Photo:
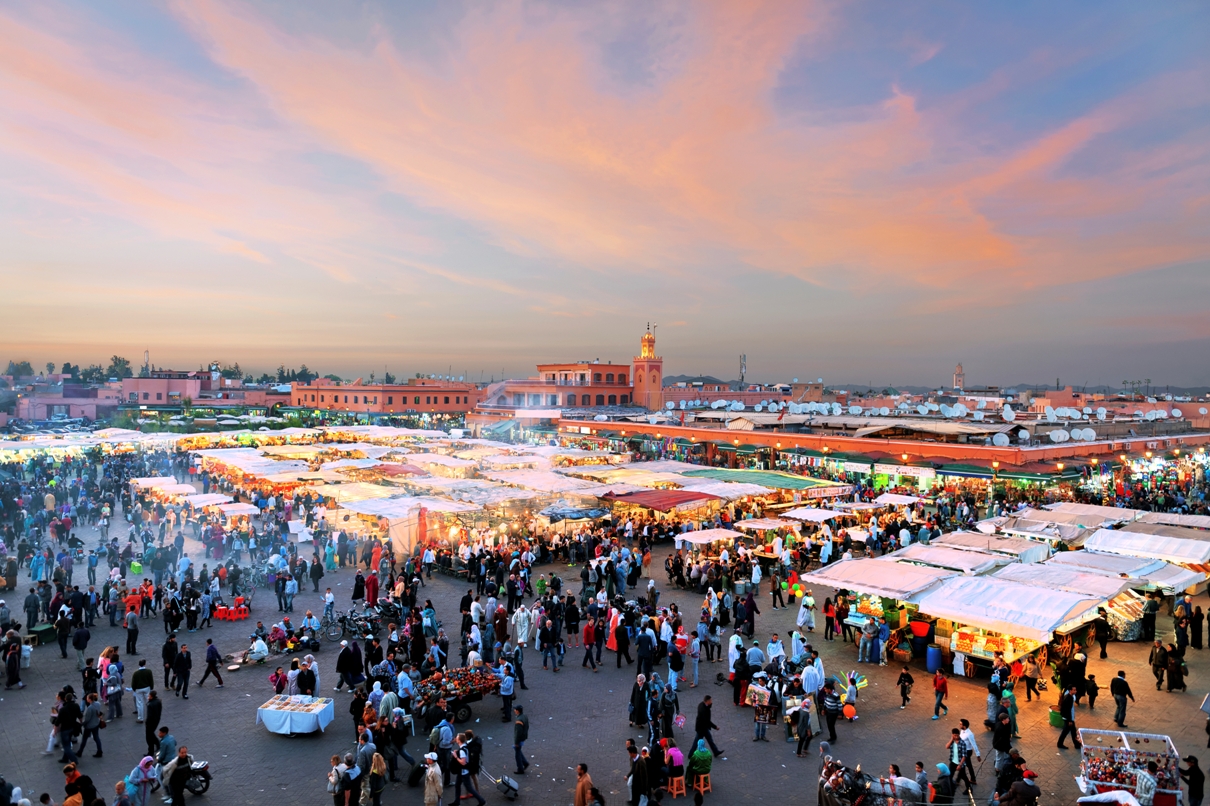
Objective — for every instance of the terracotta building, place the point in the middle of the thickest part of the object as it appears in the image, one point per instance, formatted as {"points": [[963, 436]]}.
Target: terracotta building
{"points": [[418, 395]]}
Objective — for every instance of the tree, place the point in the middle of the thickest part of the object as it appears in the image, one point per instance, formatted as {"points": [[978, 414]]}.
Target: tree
{"points": [[94, 374], [388, 379], [265, 378], [371, 376], [69, 369], [230, 370], [20, 369], [334, 378], [50, 367], [119, 368], [306, 375]]}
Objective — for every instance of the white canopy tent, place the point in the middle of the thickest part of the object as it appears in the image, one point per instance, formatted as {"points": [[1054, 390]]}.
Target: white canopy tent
{"points": [[545, 481], [706, 536], [899, 582], [1055, 577], [402, 516], [1007, 607], [1177, 519], [812, 514], [148, 482], [177, 489], [1022, 550], [966, 561], [207, 499], [726, 490], [354, 491], [760, 524], [1139, 544], [896, 500], [1143, 572], [232, 510]]}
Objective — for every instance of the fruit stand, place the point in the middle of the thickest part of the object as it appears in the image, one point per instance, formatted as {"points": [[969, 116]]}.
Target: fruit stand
{"points": [[1110, 760], [459, 687]]}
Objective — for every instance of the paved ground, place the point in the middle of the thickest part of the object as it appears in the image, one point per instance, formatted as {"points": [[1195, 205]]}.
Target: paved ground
{"points": [[575, 716]]}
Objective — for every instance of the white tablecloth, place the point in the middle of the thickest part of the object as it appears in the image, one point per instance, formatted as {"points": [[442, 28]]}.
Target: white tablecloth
{"points": [[287, 722]]}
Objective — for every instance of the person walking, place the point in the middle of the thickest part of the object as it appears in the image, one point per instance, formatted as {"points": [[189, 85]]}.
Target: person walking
{"points": [[462, 765], [141, 682], [1067, 710], [168, 653], [1120, 689], [432, 781], [1102, 631], [704, 723], [151, 722], [905, 683], [941, 692], [1195, 779], [180, 671], [520, 737], [213, 658], [584, 786], [831, 709], [590, 639], [79, 642], [91, 722], [1159, 663], [1031, 673]]}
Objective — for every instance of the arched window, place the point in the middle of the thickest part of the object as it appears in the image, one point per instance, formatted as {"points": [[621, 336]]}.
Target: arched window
{"points": [[639, 378], [596, 377], [571, 400], [600, 400], [608, 377], [625, 400], [613, 400]]}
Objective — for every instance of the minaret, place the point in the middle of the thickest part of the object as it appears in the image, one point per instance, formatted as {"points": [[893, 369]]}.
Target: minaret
{"points": [[959, 378], [648, 371]]}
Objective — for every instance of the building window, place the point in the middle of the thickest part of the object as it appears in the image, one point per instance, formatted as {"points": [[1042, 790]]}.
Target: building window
{"points": [[625, 400], [147, 395], [159, 395], [613, 400], [639, 378], [375, 400], [417, 402], [346, 398], [354, 398], [447, 399], [571, 400], [609, 377], [596, 377], [312, 398], [134, 397], [321, 398], [390, 399], [552, 400], [600, 400]]}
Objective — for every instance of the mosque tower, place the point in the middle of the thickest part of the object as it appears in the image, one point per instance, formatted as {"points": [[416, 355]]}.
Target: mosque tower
{"points": [[648, 369]]}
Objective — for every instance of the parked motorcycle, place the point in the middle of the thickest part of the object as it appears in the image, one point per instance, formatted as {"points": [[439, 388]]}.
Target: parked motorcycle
{"points": [[345, 624]]}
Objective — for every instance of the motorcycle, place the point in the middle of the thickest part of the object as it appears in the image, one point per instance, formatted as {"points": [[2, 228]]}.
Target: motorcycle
{"points": [[352, 624], [197, 783]]}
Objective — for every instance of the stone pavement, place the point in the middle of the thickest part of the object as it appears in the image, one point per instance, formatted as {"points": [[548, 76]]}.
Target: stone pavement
{"points": [[575, 715]]}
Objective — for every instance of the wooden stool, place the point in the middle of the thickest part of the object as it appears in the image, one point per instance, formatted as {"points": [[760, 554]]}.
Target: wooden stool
{"points": [[702, 784], [676, 786]]}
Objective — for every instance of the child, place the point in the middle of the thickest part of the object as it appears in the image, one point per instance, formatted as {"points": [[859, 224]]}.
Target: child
{"points": [[1093, 690], [851, 695], [561, 651]]}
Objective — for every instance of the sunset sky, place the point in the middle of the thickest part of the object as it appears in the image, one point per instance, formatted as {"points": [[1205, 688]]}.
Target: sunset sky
{"points": [[862, 192]]}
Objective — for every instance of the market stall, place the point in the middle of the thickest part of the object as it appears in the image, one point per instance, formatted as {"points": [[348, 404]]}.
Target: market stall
{"points": [[1144, 573], [1124, 607], [286, 714], [970, 562], [207, 500], [1018, 549], [1139, 544], [1112, 759], [980, 616]]}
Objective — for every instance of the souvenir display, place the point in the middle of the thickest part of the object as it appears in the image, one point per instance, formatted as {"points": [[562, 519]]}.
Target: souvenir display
{"points": [[1111, 760]]}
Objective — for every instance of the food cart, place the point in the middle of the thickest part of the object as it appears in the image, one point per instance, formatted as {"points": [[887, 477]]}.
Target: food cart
{"points": [[459, 687], [1110, 760]]}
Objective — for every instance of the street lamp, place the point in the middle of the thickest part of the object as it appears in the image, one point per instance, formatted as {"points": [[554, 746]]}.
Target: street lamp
{"points": [[1148, 454], [903, 456], [1060, 466]]}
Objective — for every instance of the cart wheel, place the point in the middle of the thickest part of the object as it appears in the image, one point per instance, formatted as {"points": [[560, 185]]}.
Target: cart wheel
{"points": [[462, 713]]}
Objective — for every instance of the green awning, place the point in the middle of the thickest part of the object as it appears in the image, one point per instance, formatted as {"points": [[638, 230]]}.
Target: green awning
{"points": [[766, 478]]}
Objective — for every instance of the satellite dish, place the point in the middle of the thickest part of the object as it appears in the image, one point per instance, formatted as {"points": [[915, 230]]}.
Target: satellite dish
{"points": [[1101, 414], [933, 407], [854, 410], [1050, 414], [962, 410], [819, 380], [1202, 411], [1161, 414], [757, 407], [1138, 414], [946, 411], [982, 404], [902, 406], [1150, 415], [884, 411], [671, 405], [1090, 435], [1088, 410], [978, 416], [1151, 400], [836, 409], [1008, 414], [1000, 440], [738, 406], [923, 410], [1054, 436], [1023, 435]]}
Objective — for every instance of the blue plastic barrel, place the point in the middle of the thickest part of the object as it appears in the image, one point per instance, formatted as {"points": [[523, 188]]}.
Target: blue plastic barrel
{"points": [[933, 659]]}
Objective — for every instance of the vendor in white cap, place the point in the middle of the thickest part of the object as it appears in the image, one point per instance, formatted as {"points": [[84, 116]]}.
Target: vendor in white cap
{"points": [[258, 651]]}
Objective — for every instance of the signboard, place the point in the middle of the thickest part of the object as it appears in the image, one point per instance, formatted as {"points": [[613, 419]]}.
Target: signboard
{"points": [[828, 492], [905, 470], [855, 467]]}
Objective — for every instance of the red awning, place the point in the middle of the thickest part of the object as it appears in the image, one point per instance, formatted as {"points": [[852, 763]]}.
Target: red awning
{"points": [[661, 500]]}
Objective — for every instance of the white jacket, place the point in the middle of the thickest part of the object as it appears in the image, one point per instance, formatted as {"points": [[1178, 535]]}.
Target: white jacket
{"points": [[522, 623]]}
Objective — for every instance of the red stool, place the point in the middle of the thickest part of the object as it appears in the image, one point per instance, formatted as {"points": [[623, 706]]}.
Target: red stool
{"points": [[222, 613]]}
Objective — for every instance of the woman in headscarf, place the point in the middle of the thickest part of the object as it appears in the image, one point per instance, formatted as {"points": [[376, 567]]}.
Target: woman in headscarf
{"points": [[699, 763], [1176, 668], [292, 678], [139, 781], [329, 557], [376, 695], [1008, 694], [638, 701]]}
